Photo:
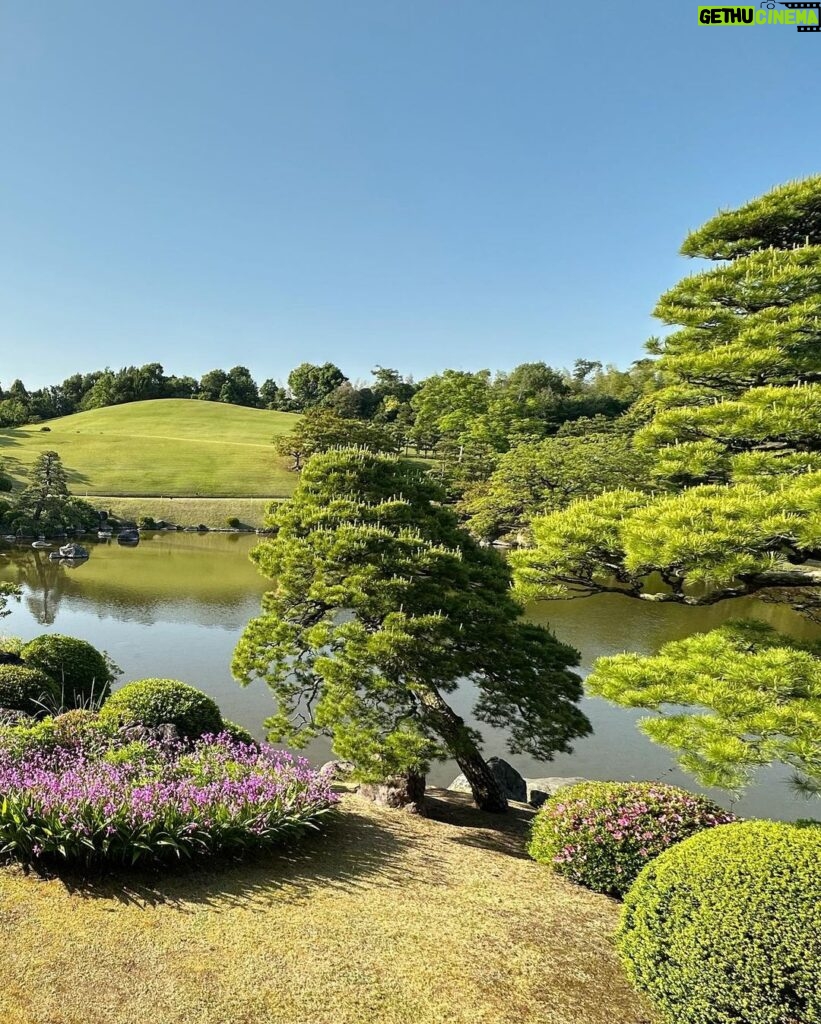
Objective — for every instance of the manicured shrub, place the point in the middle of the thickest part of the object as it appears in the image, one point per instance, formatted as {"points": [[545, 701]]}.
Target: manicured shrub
{"points": [[725, 928], [83, 675], [233, 522], [601, 834], [10, 647], [144, 803], [27, 689], [153, 702], [237, 732], [147, 523]]}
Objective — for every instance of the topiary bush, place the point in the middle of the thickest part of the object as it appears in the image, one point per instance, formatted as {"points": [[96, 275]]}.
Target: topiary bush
{"points": [[82, 673], [601, 834], [237, 732], [153, 702], [233, 522], [725, 928], [27, 689]]}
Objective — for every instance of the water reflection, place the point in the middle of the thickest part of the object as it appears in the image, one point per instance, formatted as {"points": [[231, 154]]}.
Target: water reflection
{"points": [[175, 605]]}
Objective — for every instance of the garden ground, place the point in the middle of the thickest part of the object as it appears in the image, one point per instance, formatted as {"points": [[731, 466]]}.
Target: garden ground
{"points": [[385, 918]]}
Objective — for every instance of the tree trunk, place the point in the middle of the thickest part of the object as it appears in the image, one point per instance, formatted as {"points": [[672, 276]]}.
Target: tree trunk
{"points": [[487, 793]]}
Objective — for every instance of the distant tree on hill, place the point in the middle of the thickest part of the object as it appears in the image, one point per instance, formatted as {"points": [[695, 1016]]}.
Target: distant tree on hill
{"points": [[311, 384], [321, 429], [211, 384]]}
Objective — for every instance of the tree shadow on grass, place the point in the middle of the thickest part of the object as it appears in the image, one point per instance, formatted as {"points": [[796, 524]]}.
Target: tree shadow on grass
{"points": [[351, 851], [497, 833]]}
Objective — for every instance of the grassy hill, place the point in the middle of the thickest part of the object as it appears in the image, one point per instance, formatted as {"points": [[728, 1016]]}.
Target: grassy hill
{"points": [[167, 447]]}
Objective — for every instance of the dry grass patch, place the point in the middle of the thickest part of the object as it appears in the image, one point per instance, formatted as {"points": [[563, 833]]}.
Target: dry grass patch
{"points": [[385, 919]]}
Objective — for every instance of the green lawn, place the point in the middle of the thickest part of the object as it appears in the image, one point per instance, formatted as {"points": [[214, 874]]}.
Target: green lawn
{"points": [[163, 447], [385, 919]]}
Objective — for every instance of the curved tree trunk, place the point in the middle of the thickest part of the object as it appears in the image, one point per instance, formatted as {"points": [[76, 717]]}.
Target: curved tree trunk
{"points": [[484, 785]]}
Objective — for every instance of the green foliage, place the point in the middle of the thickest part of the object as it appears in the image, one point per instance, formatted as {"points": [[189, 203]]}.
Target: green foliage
{"points": [[755, 694], [785, 217], [7, 590], [27, 689], [310, 384], [237, 732], [382, 604], [725, 928], [82, 673], [601, 834], [153, 702], [233, 522], [540, 477], [321, 429]]}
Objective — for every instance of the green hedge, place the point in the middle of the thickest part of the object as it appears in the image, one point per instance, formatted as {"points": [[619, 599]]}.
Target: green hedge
{"points": [[153, 702], [725, 928], [24, 688], [83, 675]]}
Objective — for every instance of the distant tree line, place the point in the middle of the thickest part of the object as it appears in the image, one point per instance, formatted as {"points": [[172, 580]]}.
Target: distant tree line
{"points": [[468, 420]]}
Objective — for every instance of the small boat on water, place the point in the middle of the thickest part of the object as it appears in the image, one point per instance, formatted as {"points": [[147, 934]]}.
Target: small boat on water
{"points": [[69, 553]]}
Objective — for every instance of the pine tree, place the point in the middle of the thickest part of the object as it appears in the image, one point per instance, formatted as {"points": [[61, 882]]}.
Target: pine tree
{"points": [[734, 432], [382, 607]]}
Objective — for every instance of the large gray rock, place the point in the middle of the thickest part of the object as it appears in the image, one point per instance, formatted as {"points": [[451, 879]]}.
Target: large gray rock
{"points": [[539, 790], [338, 770], [512, 783]]}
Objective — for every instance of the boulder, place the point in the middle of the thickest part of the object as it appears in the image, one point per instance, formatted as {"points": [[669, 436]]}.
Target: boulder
{"points": [[338, 770], [166, 734], [538, 790], [401, 792], [512, 783]]}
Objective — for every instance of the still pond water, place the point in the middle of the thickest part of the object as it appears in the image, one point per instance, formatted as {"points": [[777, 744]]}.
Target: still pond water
{"points": [[176, 605]]}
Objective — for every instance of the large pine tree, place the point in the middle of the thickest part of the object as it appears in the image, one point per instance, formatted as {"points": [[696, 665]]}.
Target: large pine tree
{"points": [[382, 607], [734, 432]]}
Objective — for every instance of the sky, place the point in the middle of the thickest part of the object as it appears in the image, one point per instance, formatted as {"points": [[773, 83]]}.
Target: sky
{"points": [[419, 184]]}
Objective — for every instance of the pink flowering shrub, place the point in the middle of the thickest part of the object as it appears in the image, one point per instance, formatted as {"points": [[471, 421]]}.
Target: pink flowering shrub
{"points": [[84, 804], [601, 834]]}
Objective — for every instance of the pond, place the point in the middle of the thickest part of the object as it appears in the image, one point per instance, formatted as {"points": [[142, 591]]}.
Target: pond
{"points": [[175, 606]]}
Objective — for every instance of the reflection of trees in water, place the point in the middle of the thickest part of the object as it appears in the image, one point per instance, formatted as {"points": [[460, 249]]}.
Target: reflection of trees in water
{"points": [[45, 583]]}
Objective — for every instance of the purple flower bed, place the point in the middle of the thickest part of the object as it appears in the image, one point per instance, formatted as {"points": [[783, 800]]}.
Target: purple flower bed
{"points": [[601, 834], [145, 802]]}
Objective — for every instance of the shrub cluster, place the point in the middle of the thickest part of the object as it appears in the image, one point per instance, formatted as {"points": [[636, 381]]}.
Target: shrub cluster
{"points": [[27, 689], [83, 675], [153, 702], [725, 928], [601, 834], [146, 802]]}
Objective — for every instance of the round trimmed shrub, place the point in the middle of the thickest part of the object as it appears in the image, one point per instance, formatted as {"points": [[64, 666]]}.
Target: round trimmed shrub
{"points": [[83, 675], [601, 834], [238, 732], [153, 702], [23, 688], [726, 927]]}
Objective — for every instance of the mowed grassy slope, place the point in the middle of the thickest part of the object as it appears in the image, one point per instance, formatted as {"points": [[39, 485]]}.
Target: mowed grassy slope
{"points": [[162, 447], [385, 919]]}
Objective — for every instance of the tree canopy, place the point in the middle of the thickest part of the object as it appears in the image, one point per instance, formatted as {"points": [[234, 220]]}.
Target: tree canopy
{"points": [[732, 428], [382, 606], [753, 696]]}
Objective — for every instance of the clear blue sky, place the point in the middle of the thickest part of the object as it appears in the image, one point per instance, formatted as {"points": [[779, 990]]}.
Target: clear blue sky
{"points": [[421, 184]]}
